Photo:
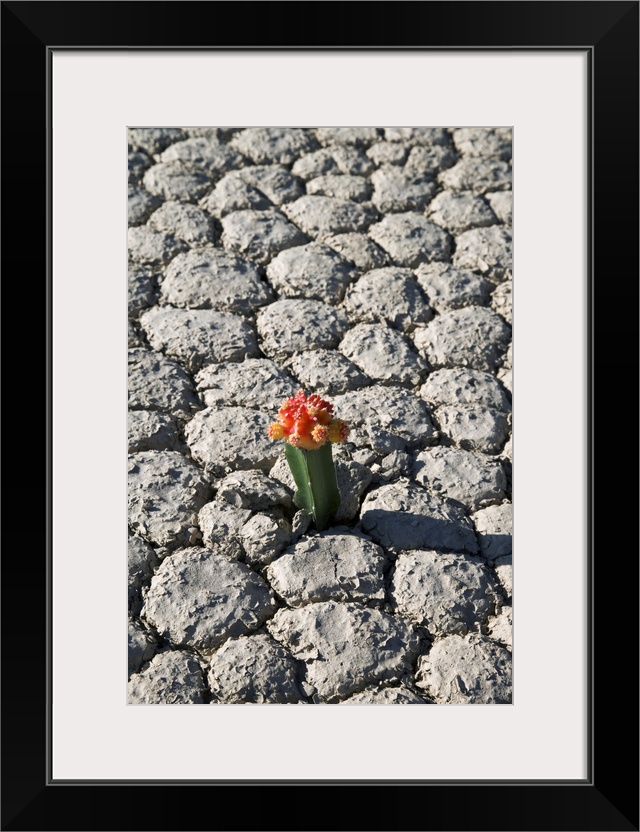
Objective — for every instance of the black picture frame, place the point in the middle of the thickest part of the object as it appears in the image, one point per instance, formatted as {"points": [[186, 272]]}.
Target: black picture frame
{"points": [[608, 798]]}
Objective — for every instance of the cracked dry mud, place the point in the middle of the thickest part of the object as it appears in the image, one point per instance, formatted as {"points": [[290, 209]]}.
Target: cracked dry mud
{"points": [[370, 265]]}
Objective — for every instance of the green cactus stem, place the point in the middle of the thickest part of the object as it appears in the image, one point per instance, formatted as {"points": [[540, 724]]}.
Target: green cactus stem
{"points": [[308, 427], [317, 485]]}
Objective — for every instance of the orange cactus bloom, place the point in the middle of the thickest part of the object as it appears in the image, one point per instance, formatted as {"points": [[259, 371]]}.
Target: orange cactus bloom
{"points": [[275, 431], [307, 422], [338, 430]]}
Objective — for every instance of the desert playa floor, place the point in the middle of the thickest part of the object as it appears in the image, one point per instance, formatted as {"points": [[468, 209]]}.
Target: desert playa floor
{"points": [[370, 265]]}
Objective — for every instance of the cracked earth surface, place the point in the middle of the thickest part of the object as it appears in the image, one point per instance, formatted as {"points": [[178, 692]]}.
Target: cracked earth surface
{"points": [[372, 266]]}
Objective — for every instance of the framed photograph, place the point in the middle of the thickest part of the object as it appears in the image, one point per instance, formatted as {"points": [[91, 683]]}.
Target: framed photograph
{"points": [[551, 91]]}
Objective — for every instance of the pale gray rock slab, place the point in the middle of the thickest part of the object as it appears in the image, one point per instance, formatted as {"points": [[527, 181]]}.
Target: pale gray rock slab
{"points": [[270, 145], [385, 418], [502, 205], [142, 288], [254, 669], [300, 524], [358, 136], [335, 160], [388, 153], [141, 561], [341, 186], [500, 627], [138, 162], [358, 249], [353, 480], [291, 326], [141, 645], [253, 490], [234, 193], [351, 160], [220, 134], [220, 524], [430, 160], [205, 154], [140, 205], [312, 271], [346, 647], [447, 288], [502, 300], [158, 383], [478, 175], [149, 430], [447, 594], [472, 337], [492, 142], [466, 670], [487, 251], [185, 221], [326, 372], [461, 386], [393, 466], [315, 164], [459, 211], [503, 568], [165, 492], [388, 294], [173, 180], [418, 135], [258, 187], [256, 382], [199, 598], [172, 678], [383, 354], [398, 190], [404, 516], [260, 235], [282, 472], [274, 181], [264, 536], [365, 456], [474, 428], [322, 216], [410, 239], [224, 439], [153, 140], [196, 337], [333, 565], [494, 526], [154, 248], [211, 278], [468, 478], [386, 696]]}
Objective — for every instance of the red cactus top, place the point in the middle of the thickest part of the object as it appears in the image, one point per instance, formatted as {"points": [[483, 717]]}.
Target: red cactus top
{"points": [[307, 422]]}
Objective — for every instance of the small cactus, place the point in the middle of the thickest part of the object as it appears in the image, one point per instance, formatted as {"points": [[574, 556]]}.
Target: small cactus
{"points": [[308, 427]]}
